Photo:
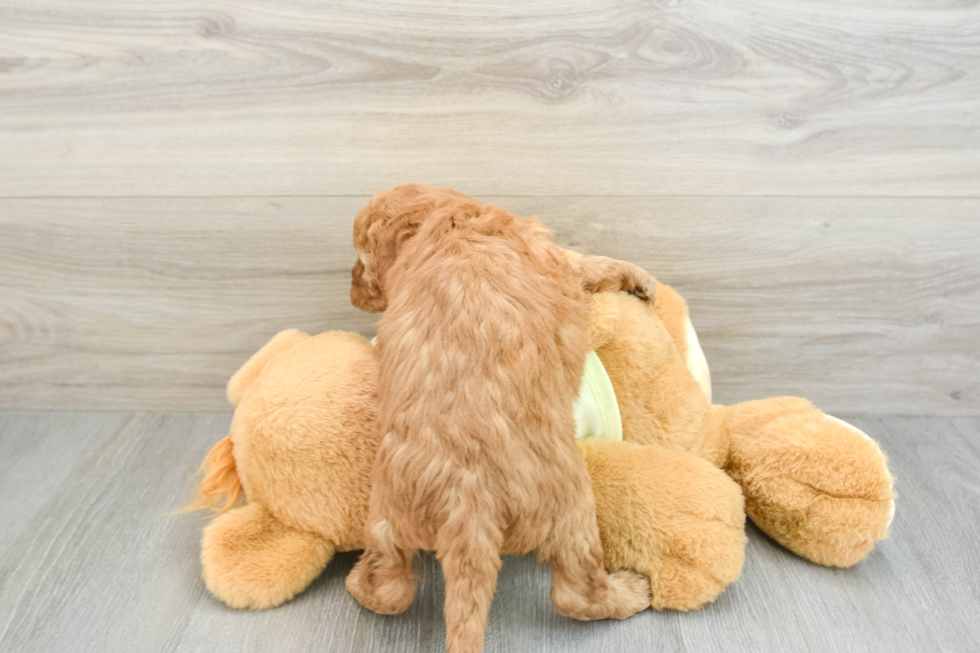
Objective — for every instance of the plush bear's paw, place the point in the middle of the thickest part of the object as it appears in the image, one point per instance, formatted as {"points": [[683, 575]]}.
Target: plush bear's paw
{"points": [[815, 484], [669, 515], [700, 558], [633, 592], [251, 560]]}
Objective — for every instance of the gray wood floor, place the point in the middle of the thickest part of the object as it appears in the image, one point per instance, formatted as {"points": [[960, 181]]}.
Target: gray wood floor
{"points": [[91, 561]]}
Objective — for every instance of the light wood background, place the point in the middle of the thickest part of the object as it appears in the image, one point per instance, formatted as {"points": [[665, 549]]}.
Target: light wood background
{"points": [[178, 179]]}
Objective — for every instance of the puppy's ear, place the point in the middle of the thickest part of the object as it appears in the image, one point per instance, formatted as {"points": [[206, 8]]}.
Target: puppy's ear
{"points": [[366, 296], [391, 237], [401, 230], [404, 231]]}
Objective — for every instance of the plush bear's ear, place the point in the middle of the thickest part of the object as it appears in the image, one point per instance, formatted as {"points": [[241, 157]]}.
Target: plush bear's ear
{"points": [[244, 377], [672, 311]]}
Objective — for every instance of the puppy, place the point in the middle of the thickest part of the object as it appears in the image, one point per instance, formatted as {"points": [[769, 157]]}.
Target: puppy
{"points": [[481, 350]]}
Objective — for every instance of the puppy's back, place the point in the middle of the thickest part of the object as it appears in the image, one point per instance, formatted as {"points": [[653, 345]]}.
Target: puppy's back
{"points": [[481, 349]]}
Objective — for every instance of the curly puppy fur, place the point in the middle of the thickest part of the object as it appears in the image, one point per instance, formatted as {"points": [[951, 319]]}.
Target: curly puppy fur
{"points": [[481, 350]]}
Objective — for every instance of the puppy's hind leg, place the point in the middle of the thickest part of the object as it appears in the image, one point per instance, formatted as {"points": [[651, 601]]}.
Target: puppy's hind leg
{"points": [[383, 580], [604, 274], [468, 546], [580, 586]]}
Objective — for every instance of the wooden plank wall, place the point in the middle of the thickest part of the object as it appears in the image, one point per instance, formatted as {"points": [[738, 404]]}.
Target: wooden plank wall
{"points": [[177, 180]]}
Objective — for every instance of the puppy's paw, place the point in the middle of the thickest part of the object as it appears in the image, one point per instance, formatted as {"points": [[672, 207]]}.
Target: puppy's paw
{"points": [[604, 274], [384, 591], [638, 282], [643, 292]]}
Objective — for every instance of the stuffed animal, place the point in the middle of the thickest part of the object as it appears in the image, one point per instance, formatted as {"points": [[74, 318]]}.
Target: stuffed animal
{"points": [[669, 497]]}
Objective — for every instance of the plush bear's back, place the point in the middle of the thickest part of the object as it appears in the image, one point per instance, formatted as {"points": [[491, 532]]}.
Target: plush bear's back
{"points": [[304, 437]]}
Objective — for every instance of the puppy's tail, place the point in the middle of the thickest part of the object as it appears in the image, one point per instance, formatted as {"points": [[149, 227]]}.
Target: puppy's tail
{"points": [[220, 482], [469, 549]]}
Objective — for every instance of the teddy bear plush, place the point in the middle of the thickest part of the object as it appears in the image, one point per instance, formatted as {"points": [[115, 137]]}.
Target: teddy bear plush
{"points": [[671, 497]]}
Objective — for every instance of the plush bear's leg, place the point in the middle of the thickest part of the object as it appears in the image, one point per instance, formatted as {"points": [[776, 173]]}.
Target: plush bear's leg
{"points": [[815, 484], [669, 515], [580, 586], [251, 560]]}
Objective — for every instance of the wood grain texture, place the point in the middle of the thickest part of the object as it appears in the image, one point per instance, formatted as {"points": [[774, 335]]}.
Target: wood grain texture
{"points": [[90, 561], [666, 97], [862, 305]]}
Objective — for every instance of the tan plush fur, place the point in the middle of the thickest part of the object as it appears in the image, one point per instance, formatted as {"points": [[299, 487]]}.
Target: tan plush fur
{"points": [[818, 487], [246, 375], [248, 548], [480, 350], [678, 514], [317, 403], [811, 483]]}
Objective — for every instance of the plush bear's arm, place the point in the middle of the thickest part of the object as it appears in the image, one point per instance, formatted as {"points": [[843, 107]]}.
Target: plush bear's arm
{"points": [[602, 320]]}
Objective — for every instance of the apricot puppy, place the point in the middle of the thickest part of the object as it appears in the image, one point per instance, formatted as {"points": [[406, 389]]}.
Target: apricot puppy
{"points": [[481, 350]]}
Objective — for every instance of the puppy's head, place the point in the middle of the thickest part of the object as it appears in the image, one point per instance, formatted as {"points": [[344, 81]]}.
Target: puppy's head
{"points": [[381, 230]]}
